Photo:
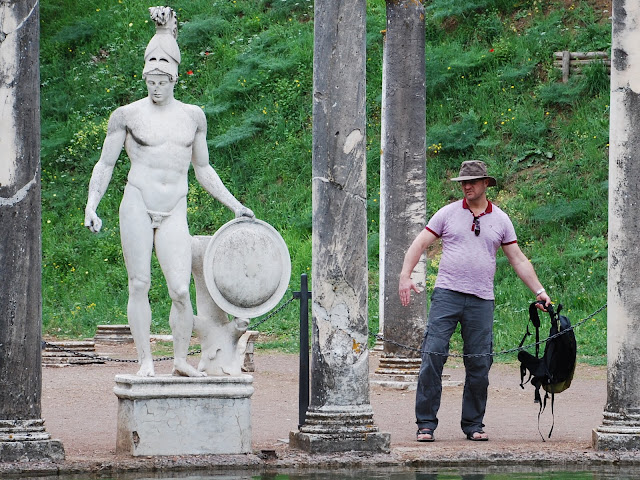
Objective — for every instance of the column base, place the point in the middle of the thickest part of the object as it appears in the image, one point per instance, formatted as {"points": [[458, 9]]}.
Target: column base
{"points": [[169, 415], [325, 443], [401, 373], [27, 441], [340, 429], [399, 365], [617, 432]]}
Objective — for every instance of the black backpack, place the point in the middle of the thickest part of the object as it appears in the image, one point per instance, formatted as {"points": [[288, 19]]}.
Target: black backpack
{"points": [[554, 370]]}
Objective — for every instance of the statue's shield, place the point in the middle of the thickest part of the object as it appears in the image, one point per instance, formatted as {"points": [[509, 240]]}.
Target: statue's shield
{"points": [[247, 267]]}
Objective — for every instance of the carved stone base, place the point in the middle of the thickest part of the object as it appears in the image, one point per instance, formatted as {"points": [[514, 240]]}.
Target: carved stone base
{"points": [[27, 441], [617, 432], [340, 429], [168, 415], [63, 354], [113, 334], [399, 366], [401, 373], [249, 365]]}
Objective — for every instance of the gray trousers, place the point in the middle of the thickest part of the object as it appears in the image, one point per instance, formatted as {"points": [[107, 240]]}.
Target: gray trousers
{"points": [[476, 322]]}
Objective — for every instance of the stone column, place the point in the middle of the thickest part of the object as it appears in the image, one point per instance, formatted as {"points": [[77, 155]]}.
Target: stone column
{"points": [[621, 425], [340, 417], [22, 433], [403, 179]]}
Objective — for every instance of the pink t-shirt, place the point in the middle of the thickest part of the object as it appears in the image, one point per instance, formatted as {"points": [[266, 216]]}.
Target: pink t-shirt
{"points": [[468, 262]]}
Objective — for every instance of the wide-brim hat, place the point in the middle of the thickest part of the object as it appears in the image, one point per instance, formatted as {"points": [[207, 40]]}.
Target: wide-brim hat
{"points": [[473, 170]]}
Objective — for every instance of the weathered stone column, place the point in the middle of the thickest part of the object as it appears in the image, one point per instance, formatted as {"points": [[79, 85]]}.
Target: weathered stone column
{"points": [[22, 433], [621, 425], [403, 179], [340, 417]]}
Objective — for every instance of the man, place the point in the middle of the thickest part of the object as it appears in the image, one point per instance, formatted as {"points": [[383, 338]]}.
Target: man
{"points": [[471, 230], [162, 137]]}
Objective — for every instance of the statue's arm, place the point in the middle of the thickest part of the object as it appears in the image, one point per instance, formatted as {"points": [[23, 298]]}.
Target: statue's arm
{"points": [[102, 171], [207, 176]]}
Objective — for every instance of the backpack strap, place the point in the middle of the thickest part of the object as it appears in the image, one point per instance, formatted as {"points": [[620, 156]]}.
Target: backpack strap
{"points": [[540, 410], [553, 417], [555, 318], [534, 318]]}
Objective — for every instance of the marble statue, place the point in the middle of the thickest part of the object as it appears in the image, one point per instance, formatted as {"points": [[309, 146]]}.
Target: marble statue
{"points": [[162, 137]]}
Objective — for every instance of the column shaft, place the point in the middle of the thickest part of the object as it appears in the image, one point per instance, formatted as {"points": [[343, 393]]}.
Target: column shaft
{"points": [[22, 434], [621, 425], [403, 179], [339, 417]]}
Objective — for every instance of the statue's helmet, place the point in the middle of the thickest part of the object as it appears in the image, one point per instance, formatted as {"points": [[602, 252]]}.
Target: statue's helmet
{"points": [[162, 55]]}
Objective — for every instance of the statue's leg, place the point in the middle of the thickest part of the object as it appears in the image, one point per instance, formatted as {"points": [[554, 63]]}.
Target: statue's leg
{"points": [[136, 235], [173, 249]]}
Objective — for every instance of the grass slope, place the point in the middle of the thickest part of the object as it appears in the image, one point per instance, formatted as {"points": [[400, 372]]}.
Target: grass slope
{"points": [[492, 94]]}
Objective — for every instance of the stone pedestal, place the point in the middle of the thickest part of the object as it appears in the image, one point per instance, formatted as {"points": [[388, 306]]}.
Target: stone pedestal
{"points": [[617, 432], [340, 429], [113, 334], [252, 338], [65, 353], [168, 415], [400, 373], [27, 440]]}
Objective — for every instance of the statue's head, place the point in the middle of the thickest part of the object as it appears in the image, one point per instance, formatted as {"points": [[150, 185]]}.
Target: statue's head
{"points": [[162, 55], [160, 87]]}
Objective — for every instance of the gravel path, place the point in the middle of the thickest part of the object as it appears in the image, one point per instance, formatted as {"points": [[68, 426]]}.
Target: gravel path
{"points": [[80, 409]]}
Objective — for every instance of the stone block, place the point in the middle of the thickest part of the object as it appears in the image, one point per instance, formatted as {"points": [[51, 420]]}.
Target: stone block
{"points": [[169, 415], [65, 353], [622, 439], [252, 338], [113, 334], [318, 443], [28, 441], [344, 428]]}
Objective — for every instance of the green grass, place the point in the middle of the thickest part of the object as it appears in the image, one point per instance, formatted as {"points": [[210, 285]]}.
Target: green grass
{"points": [[492, 94]]}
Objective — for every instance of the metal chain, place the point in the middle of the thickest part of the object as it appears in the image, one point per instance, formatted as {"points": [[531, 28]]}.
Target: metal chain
{"points": [[378, 337], [273, 313], [158, 359], [108, 359], [492, 354]]}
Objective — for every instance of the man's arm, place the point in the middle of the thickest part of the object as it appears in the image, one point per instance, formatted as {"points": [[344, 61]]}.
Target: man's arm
{"points": [[207, 176], [102, 171], [524, 269], [411, 258]]}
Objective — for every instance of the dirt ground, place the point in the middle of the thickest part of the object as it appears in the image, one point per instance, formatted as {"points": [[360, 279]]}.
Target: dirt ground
{"points": [[80, 409]]}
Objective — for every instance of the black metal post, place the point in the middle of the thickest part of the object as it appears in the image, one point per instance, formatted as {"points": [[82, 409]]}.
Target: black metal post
{"points": [[303, 384]]}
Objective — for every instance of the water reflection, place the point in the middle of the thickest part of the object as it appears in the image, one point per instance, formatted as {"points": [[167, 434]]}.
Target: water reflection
{"points": [[396, 473]]}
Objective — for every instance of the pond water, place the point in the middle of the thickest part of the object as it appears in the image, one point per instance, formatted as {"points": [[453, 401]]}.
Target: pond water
{"points": [[488, 473]]}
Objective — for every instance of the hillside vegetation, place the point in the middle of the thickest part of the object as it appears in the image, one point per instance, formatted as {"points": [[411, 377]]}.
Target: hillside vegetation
{"points": [[492, 94]]}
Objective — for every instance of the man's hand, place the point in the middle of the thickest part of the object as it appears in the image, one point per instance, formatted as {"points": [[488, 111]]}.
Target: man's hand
{"points": [[404, 289], [244, 212], [546, 299], [92, 221]]}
